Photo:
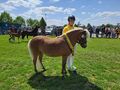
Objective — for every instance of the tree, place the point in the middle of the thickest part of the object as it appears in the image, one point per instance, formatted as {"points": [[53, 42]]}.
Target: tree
{"points": [[83, 26], [79, 24], [118, 25], [102, 25], [19, 20], [32, 23], [110, 25], [5, 17], [90, 29], [76, 25], [35, 23], [64, 25], [42, 25], [89, 26]]}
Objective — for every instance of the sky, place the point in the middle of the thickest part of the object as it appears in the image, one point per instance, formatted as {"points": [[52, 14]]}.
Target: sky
{"points": [[55, 12]]}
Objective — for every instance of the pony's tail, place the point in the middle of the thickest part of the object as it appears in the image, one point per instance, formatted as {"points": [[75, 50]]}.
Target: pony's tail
{"points": [[29, 48], [31, 54]]}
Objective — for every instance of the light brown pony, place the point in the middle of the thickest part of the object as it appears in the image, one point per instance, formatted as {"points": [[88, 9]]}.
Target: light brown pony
{"points": [[13, 35], [55, 47], [118, 33]]}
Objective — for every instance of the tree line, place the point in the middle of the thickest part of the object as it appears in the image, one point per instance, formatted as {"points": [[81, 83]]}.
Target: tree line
{"points": [[6, 17]]}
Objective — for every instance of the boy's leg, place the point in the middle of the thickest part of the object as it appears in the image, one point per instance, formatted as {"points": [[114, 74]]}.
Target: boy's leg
{"points": [[70, 60], [70, 63]]}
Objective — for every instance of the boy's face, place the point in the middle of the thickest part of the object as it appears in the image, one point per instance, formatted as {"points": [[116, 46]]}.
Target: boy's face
{"points": [[71, 22]]}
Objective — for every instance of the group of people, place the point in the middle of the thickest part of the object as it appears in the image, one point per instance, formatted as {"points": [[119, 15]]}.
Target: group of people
{"points": [[104, 32]]}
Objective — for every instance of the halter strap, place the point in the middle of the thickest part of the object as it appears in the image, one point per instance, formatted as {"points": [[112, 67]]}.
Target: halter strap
{"points": [[69, 43]]}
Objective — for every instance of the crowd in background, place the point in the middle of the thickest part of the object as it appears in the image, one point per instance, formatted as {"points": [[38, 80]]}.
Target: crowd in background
{"points": [[95, 31], [104, 32]]}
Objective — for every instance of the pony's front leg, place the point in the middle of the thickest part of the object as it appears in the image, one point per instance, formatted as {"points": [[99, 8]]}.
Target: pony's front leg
{"points": [[64, 59], [27, 36], [10, 38]]}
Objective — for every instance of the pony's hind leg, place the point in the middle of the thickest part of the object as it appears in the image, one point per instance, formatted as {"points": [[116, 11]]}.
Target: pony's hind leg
{"points": [[34, 62], [18, 39], [40, 59], [9, 39], [27, 37], [13, 38]]}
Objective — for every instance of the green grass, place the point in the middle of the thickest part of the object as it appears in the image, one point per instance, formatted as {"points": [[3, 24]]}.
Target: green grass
{"points": [[98, 68]]}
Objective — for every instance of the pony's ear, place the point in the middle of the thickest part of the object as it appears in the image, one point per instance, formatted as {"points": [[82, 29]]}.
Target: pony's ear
{"points": [[86, 32]]}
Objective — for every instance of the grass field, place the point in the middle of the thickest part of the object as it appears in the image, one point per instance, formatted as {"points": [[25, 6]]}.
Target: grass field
{"points": [[98, 68]]}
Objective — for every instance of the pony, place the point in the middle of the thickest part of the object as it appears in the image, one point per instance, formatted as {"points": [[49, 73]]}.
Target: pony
{"points": [[13, 35], [33, 33], [58, 46], [118, 33]]}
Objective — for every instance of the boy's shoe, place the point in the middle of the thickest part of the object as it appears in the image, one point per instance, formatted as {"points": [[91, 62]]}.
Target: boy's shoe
{"points": [[72, 68]]}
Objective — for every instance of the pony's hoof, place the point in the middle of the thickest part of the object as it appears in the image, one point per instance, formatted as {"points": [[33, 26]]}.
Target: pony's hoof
{"points": [[63, 77]]}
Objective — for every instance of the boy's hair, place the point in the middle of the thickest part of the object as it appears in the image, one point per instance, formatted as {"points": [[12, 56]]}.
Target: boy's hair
{"points": [[71, 18]]}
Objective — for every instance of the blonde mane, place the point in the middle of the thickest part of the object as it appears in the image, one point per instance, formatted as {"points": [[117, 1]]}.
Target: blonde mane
{"points": [[77, 29]]}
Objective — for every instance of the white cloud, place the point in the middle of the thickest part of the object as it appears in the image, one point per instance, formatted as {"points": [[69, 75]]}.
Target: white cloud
{"points": [[55, 22], [13, 15], [102, 17], [72, 0], [83, 6], [32, 5], [50, 9], [99, 2], [41, 11], [106, 14], [6, 7], [13, 4], [83, 13], [69, 10], [54, 0], [24, 3]]}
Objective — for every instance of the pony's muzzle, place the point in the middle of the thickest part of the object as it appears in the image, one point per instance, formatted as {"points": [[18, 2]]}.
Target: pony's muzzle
{"points": [[84, 46]]}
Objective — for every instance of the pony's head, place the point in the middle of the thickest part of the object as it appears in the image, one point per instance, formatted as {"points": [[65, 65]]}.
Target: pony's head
{"points": [[80, 36], [84, 34]]}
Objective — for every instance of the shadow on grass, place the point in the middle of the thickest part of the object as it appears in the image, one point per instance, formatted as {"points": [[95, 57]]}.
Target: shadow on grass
{"points": [[73, 82]]}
